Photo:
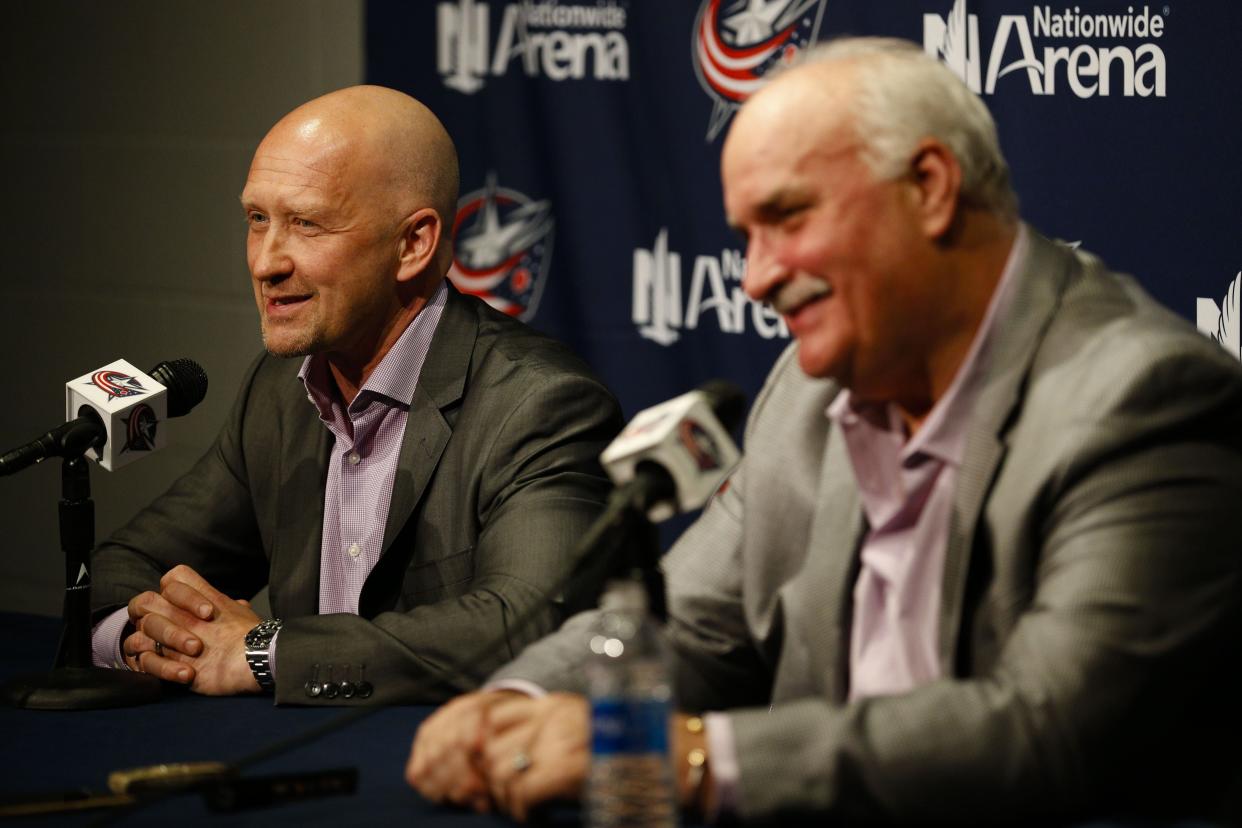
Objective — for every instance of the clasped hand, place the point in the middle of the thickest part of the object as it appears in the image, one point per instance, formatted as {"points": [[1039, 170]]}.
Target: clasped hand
{"points": [[504, 750], [191, 633]]}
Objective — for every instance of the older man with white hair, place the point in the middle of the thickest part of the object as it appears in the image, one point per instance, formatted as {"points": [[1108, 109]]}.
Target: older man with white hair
{"points": [[977, 562]]}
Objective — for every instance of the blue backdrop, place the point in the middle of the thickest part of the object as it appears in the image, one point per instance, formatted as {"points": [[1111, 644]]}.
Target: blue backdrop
{"points": [[590, 134]]}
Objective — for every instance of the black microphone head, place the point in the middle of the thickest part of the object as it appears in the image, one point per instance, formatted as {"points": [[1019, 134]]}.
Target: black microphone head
{"points": [[186, 382], [727, 402]]}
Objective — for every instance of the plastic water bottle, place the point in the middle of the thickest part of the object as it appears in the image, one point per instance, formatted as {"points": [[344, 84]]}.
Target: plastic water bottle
{"points": [[631, 782]]}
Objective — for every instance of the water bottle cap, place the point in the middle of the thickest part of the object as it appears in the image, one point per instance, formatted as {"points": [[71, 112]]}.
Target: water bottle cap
{"points": [[625, 596]]}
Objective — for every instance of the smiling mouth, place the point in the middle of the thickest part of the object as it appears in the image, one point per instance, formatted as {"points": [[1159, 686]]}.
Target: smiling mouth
{"points": [[285, 301], [801, 291]]}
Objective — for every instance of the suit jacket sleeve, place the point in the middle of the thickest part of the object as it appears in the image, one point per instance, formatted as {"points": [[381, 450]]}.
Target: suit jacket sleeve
{"points": [[714, 664], [539, 488], [206, 520]]}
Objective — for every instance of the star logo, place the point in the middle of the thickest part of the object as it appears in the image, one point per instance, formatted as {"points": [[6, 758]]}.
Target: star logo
{"points": [[140, 428], [734, 48], [115, 384], [502, 248]]}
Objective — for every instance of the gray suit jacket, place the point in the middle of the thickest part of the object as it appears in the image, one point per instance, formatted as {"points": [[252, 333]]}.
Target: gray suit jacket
{"points": [[497, 479], [1090, 600]]}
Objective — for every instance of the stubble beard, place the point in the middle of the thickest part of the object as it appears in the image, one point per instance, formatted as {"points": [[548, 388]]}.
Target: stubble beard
{"points": [[289, 343]]}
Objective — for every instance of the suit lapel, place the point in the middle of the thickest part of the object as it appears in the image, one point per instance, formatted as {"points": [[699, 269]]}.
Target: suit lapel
{"points": [[299, 520], [427, 431], [1037, 294], [832, 563]]}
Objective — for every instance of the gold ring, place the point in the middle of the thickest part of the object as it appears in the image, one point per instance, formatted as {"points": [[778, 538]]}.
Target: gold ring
{"points": [[159, 649]]}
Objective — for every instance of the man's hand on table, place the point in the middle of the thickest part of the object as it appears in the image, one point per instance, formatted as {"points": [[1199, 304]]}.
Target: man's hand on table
{"points": [[511, 752], [502, 749], [446, 760], [200, 633], [536, 750]]}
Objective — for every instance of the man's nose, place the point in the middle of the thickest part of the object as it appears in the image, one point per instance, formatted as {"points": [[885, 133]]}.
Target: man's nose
{"points": [[269, 255], [764, 271]]}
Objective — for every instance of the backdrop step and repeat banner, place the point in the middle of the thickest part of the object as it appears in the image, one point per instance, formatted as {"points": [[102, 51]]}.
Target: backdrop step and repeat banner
{"points": [[590, 136]]}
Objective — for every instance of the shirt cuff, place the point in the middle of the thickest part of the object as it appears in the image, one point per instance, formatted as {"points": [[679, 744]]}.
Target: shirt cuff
{"points": [[722, 751], [106, 640], [519, 685]]}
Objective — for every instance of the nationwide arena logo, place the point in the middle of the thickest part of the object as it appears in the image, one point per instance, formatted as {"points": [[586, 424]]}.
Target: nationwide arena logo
{"points": [[1220, 322], [502, 246], [115, 384], [714, 292], [735, 44], [558, 41], [1092, 53]]}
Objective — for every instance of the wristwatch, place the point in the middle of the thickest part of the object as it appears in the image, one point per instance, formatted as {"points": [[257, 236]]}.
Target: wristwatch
{"points": [[258, 643]]}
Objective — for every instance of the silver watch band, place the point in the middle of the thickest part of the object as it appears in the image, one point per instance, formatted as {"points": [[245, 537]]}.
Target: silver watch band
{"points": [[259, 652]]}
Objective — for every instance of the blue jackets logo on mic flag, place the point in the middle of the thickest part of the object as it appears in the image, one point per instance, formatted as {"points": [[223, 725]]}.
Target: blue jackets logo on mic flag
{"points": [[700, 445], [502, 248], [115, 384], [734, 47], [140, 428]]}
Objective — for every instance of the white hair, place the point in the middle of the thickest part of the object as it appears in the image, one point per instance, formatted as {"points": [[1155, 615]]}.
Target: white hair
{"points": [[902, 95]]}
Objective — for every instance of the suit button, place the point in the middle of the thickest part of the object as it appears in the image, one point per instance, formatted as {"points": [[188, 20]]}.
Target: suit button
{"points": [[347, 689], [313, 689], [330, 689], [363, 689]]}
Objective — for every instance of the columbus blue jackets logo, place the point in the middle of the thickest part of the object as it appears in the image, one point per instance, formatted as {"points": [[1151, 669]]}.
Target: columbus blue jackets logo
{"points": [[737, 42], [502, 243], [115, 384], [699, 444], [140, 428]]}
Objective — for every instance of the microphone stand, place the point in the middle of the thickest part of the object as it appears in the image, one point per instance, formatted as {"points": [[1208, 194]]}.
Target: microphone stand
{"points": [[73, 683], [625, 537]]}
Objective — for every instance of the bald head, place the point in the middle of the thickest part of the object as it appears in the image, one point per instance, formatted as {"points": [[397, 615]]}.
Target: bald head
{"points": [[349, 201], [382, 145]]}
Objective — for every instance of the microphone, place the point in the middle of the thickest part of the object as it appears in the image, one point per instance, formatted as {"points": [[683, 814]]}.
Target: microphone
{"points": [[676, 454], [114, 414]]}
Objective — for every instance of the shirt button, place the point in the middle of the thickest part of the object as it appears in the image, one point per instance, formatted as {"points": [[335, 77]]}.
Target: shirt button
{"points": [[354, 550], [354, 458]]}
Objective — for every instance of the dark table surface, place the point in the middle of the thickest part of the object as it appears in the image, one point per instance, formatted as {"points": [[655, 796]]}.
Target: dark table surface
{"points": [[56, 751]]}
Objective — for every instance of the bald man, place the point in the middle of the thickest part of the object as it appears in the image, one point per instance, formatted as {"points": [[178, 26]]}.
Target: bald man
{"points": [[979, 564], [408, 489]]}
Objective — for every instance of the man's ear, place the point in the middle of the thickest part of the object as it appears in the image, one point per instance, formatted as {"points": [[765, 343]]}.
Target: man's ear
{"points": [[937, 179], [420, 236]]}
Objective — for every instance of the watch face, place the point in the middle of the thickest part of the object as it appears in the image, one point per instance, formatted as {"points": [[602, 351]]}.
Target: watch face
{"points": [[261, 634]]}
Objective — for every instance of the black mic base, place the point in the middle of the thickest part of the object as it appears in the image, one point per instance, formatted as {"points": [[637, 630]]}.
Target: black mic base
{"points": [[80, 688]]}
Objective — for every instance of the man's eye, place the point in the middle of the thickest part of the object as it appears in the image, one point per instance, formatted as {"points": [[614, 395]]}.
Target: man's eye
{"points": [[790, 213], [301, 222], [256, 218]]}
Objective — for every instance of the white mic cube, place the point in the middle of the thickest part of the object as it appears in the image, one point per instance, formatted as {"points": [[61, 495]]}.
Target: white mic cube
{"points": [[132, 406], [685, 437]]}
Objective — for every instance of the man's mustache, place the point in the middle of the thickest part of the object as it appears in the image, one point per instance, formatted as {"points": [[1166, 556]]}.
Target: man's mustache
{"points": [[797, 292]]}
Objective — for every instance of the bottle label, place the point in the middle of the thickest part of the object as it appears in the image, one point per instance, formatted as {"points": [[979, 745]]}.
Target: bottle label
{"points": [[629, 726]]}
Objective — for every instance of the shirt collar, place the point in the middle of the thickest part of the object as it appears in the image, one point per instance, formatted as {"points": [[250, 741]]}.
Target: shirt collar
{"points": [[943, 435], [395, 378]]}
